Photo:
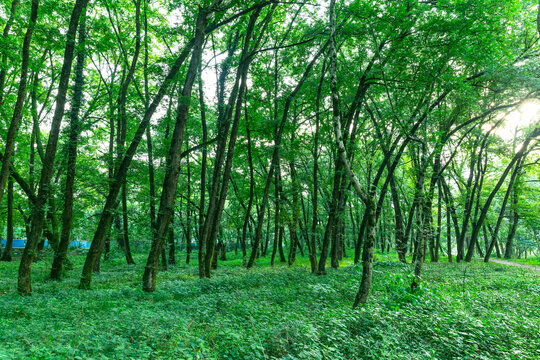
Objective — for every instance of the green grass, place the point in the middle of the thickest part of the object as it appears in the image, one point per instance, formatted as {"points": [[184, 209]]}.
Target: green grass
{"points": [[462, 311], [534, 261]]}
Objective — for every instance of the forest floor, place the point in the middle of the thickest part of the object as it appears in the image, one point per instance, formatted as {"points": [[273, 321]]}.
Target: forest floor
{"points": [[461, 311]]}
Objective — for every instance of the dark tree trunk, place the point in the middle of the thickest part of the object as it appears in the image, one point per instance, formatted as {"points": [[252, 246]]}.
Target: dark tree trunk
{"points": [[512, 231], [21, 94], [520, 154], [188, 213], [6, 254], [24, 281], [125, 226], [448, 228], [108, 209], [251, 192], [170, 182], [202, 244], [424, 211], [295, 205], [367, 254], [401, 242], [276, 220], [280, 245], [74, 131], [3, 59], [172, 247], [495, 232], [359, 243], [213, 221]]}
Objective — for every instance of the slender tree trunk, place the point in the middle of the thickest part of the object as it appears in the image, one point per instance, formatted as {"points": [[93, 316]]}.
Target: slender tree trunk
{"points": [[275, 154], [201, 242], [520, 154], [401, 243], [188, 213], [74, 131], [448, 234], [439, 224], [21, 94], [513, 227], [276, 220], [314, 196], [24, 281], [170, 182], [172, 247], [6, 254], [125, 226], [495, 232], [108, 209], [295, 205], [3, 59], [251, 192], [424, 211]]}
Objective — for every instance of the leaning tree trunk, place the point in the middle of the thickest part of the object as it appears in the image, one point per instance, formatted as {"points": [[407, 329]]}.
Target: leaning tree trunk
{"points": [[24, 282], [122, 129], [5, 33], [107, 214], [495, 232], [170, 182], [521, 153], [211, 230], [21, 96]]}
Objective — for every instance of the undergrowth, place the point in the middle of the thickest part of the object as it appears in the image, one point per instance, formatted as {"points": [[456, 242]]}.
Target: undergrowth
{"points": [[461, 311]]}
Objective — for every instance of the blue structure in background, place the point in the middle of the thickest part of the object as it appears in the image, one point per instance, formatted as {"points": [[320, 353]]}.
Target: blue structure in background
{"points": [[20, 243]]}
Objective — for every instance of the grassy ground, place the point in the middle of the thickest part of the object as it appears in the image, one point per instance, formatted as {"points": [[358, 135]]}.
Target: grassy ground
{"points": [[462, 311], [534, 261]]}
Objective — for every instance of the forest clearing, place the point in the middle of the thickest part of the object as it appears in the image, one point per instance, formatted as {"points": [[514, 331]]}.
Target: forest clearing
{"points": [[269, 179]]}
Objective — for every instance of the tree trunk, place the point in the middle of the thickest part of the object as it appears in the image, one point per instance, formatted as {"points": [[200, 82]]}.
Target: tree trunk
{"points": [[495, 232], [6, 254], [512, 231], [520, 154], [251, 192], [172, 247], [24, 281], [170, 182], [21, 93], [213, 221], [74, 131], [108, 209], [275, 155], [401, 243], [5, 33]]}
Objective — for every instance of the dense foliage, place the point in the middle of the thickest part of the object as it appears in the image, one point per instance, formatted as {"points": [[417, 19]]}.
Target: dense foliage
{"points": [[286, 132]]}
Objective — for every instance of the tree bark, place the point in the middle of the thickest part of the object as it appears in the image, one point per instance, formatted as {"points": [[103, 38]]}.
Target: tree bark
{"points": [[120, 173], [74, 131], [275, 154], [6, 254], [21, 94], [24, 281], [170, 182]]}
